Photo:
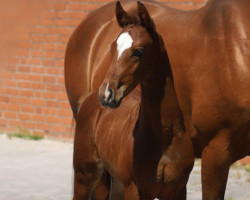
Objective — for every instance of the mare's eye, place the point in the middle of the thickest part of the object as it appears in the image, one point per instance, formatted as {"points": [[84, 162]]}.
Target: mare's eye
{"points": [[138, 53]]}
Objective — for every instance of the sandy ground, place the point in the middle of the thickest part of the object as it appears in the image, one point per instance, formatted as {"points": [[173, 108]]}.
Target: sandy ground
{"points": [[42, 170]]}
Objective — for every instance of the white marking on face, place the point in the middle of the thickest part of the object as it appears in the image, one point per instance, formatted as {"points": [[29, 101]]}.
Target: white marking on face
{"points": [[156, 199], [123, 42]]}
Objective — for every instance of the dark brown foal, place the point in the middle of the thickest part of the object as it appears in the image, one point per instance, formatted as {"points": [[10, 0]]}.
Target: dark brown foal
{"points": [[142, 143]]}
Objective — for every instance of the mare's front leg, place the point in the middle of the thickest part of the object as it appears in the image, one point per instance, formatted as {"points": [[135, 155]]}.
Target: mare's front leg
{"points": [[88, 167], [216, 161]]}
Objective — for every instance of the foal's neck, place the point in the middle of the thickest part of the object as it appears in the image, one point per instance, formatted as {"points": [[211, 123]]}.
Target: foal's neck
{"points": [[152, 98]]}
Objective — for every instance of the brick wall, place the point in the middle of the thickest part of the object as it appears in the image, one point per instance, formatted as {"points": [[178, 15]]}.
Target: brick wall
{"points": [[32, 93]]}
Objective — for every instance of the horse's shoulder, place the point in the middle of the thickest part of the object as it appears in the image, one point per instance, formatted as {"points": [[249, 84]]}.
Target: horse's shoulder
{"points": [[89, 107]]}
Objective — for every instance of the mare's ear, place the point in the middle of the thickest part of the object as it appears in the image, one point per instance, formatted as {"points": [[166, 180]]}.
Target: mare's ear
{"points": [[122, 17], [144, 17]]}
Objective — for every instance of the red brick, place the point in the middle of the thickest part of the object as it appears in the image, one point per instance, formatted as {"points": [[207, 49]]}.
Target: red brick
{"points": [[65, 113], [50, 111], [3, 106], [37, 54], [38, 102], [52, 38], [24, 116], [23, 100], [53, 120], [20, 76], [9, 115], [37, 69], [4, 99], [29, 109], [38, 94], [34, 61], [15, 123], [23, 84], [49, 95], [10, 83], [59, 6], [43, 126], [48, 62], [54, 88], [27, 93], [67, 121], [49, 79], [38, 86], [22, 52], [29, 125], [49, 14], [49, 46], [33, 77], [13, 107], [52, 103], [38, 110], [58, 129], [3, 122], [24, 69], [15, 91]]}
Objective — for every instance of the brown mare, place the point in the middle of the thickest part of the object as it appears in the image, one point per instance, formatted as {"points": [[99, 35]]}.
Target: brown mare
{"points": [[208, 52], [142, 143]]}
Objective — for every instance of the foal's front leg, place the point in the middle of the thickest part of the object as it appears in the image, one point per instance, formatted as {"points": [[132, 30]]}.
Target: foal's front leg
{"points": [[216, 161], [87, 165]]}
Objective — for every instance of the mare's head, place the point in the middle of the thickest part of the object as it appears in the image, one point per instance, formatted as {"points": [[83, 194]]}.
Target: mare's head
{"points": [[134, 55]]}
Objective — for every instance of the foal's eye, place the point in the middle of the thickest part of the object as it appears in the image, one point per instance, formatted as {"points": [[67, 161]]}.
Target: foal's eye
{"points": [[138, 53]]}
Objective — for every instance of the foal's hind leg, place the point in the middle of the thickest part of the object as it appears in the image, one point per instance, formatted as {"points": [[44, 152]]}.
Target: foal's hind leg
{"points": [[102, 188], [87, 165], [182, 195]]}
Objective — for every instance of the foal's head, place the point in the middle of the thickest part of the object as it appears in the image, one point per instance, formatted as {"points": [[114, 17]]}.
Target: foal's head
{"points": [[134, 56]]}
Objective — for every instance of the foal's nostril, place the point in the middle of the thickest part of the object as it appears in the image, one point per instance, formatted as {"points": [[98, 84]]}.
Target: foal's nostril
{"points": [[119, 85]]}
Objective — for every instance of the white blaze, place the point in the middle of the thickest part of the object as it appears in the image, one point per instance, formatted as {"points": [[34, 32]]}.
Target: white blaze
{"points": [[124, 42]]}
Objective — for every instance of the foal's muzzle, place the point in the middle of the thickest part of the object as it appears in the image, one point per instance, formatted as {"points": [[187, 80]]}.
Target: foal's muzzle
{"points": [[107, 97]]}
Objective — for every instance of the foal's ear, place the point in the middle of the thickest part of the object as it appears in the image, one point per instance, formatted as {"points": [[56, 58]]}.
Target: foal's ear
{"points": [[122, 17], [144, 16]]}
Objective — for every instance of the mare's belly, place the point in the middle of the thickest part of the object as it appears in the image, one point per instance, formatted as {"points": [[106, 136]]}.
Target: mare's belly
{"points": [[216, 113]]}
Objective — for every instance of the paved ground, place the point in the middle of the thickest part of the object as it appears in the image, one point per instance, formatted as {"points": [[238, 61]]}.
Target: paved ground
{"points": [[42, 170]]}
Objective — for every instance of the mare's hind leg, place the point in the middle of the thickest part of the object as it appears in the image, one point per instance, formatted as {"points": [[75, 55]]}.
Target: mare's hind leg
{"points": [[87, 165], [216, 161]]}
